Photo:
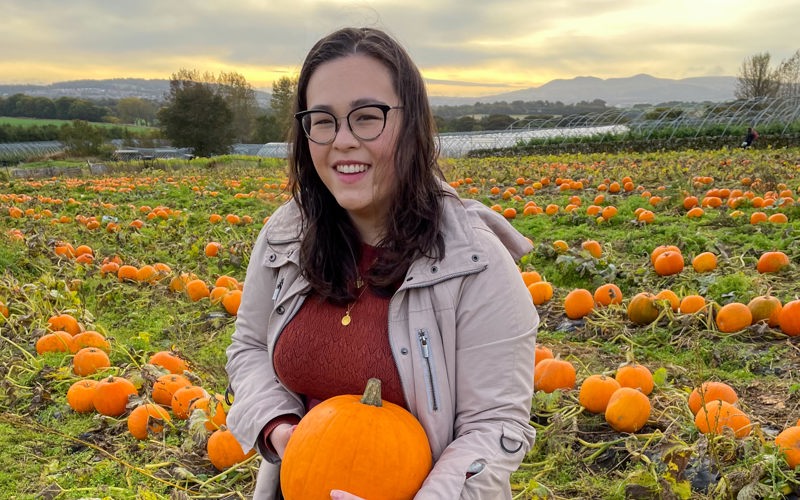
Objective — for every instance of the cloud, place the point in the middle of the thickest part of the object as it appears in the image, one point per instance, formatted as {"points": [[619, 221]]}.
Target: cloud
{"points": [[487, 45]]}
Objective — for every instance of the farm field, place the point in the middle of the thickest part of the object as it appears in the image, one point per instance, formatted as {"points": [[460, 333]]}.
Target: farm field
{"points": [[29, 122], [594, 220]]}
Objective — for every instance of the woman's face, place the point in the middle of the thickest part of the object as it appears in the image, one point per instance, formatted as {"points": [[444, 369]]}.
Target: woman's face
{"points": [[359, 173]]}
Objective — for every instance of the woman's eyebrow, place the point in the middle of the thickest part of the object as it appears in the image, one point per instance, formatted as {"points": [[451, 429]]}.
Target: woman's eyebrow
{"points": [[353, 104]]}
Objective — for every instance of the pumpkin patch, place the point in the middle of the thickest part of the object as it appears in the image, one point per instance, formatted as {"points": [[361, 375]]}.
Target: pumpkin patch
{"points": [[121, 264]]}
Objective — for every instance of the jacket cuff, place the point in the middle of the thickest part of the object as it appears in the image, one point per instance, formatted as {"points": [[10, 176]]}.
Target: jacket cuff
{"points": [[264, 444]]}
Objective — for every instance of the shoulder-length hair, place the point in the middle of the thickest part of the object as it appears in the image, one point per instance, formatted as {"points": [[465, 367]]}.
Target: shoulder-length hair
{"points": [[331, 247]]}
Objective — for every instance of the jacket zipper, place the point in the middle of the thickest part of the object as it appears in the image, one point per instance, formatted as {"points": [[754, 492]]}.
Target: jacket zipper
{"points": [[425, 347], [277, 290]]}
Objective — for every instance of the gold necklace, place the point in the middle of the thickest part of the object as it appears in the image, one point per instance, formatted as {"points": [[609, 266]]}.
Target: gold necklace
{"points": [[346, 319]]}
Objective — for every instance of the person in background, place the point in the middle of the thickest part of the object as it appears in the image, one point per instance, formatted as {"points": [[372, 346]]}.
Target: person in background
{"points": [[376, 268], [751, 136]]}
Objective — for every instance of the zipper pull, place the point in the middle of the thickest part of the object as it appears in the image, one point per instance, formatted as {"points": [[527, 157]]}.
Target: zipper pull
{"points": [[423, 340], [277, 290]]}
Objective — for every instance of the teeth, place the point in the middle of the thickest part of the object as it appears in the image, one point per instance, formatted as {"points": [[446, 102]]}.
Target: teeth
{"points": [[351, 169]]}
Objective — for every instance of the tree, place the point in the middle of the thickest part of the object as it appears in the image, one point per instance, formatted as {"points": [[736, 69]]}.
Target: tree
{"points": [[241, 99], [136, 109], [789, 74], [756, 79], [282, 103], [82, 139], [196, 116]]}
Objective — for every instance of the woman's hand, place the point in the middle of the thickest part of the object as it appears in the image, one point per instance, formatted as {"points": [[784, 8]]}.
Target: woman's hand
{"points": [[343, 495], [280, 437]]}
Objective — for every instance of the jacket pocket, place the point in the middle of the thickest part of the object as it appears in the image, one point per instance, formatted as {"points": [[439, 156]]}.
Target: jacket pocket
{"points": [[428, 368]]}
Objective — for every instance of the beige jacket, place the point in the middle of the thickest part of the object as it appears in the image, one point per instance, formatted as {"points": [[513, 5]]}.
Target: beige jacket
{"points": [[462, 331]]}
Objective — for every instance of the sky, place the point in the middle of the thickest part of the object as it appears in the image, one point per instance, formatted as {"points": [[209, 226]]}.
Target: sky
{"points": [[463, 48]]}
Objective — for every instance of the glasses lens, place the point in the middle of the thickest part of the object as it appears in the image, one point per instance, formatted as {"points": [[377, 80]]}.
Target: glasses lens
{"points": [[367, 122], [320, 126]]}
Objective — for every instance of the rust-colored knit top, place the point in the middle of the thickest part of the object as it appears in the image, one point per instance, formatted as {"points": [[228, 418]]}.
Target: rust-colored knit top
{"points": [[318, 357]]}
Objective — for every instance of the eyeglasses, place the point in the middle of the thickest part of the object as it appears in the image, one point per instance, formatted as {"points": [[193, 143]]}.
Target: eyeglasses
{"points": [[366, 123]]}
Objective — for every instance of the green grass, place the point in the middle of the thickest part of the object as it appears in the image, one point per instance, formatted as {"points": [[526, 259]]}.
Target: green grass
{"points": [[31, 122]]}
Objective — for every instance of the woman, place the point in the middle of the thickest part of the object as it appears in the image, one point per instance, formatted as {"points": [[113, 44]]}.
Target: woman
{"points": [[376, 268]]}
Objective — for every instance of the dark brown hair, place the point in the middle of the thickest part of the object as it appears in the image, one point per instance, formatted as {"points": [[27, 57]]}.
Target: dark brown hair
{"points": [[331, 247]]}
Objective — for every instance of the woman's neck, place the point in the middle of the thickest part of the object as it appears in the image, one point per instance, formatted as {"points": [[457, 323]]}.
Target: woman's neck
{"points": [[369, 228]]}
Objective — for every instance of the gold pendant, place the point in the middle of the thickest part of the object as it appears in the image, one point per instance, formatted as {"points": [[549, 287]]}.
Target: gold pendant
{"points": [[346, 319]]}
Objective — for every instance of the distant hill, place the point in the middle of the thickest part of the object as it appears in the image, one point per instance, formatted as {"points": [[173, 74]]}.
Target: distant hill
{"points": [[622, 92], [115, 88]]}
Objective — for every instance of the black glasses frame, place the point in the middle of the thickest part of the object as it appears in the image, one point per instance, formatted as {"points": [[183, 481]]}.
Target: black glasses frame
{"points": [[336, 123]]}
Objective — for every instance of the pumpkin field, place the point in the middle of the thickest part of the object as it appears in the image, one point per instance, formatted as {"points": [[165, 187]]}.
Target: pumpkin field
{"points": [[668, 355]]}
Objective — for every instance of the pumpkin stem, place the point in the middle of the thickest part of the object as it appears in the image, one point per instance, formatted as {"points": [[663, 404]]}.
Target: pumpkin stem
{"points": [[372, 393]]}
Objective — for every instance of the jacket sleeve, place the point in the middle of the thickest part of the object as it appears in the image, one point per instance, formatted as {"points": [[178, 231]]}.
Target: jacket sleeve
{"points": [[496, 325], [258, 396]]}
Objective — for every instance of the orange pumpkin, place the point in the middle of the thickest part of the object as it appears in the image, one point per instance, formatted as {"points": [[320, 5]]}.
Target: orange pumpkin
{"points": [[541, 292], [789, 318], [628, 410], [57, 341], [578, 303], [165, 386], [169, 361], [691, 304], [788, 442], [64, 322], [552, 374], [224, 452], [363, 445], [671, 298], [147, 419], [542, 352], [668, 263], [635, 376], [90, 338], [733, 317], [183, 398], [716, 416], [711, 391], [608, 294], [772, 262], [595, 392], [704, 262], [661, 249], [89, 360], [80, 395], [111, 395], [214, 409]]}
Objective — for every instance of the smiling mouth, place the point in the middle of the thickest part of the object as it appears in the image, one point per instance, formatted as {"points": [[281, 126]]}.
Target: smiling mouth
{"points": [[351, 169]]}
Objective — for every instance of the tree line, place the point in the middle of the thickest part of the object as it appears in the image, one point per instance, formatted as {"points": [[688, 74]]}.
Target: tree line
{"points": [[758, 78], [210, 112]]}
